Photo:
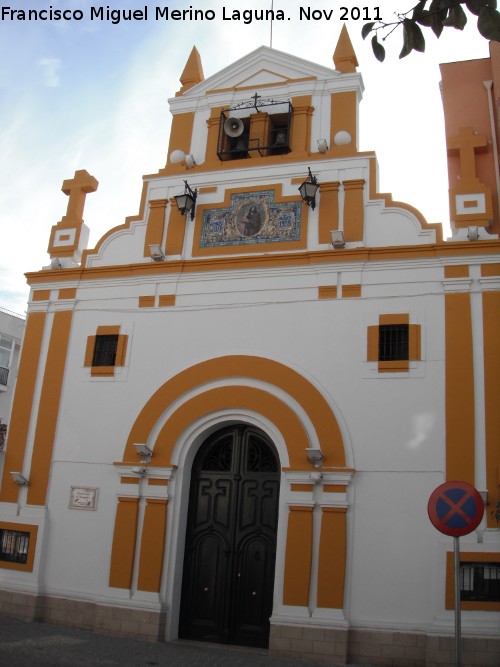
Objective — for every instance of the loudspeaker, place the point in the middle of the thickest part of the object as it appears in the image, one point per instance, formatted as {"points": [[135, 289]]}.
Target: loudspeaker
{"points": [[233, 127]]}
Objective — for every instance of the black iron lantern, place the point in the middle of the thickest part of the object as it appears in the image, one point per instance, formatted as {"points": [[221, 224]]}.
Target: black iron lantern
{"points": [[186, 202], [308, 190]]}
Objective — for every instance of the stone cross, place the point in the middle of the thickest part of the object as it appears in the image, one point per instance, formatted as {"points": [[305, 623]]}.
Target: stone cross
{"points": [[77, 189], [466, 143]]}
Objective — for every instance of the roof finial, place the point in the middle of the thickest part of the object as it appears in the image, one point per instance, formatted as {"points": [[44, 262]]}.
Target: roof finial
{"points": [[192, 73], [344, 57]]}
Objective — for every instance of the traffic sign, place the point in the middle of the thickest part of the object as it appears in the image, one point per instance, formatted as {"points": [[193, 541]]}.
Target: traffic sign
{"points": [[455, 508]]}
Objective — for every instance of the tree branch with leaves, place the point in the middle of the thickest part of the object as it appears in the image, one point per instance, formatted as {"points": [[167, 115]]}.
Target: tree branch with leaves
{"points": [[437, 15]]}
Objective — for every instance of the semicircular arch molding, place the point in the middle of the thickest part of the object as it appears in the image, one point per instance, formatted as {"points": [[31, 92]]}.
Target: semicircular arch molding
{"points": [[269, 371]]}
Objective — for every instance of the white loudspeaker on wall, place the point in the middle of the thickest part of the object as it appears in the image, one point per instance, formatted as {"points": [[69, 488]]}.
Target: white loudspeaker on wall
{"points": [[233, 127]]}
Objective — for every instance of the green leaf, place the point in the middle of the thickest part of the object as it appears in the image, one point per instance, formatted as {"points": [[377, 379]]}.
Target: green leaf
{"points": [[488, 24], [413, 38], [419, 10], [378, 49], [457, 18], [407, 40], [475, 6], [366, 29]]}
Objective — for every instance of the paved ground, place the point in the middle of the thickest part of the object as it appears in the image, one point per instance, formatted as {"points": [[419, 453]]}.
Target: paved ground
{"points": [[46, 645]]}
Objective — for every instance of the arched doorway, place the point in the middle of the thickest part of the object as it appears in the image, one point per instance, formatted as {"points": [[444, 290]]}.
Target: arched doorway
{"points": [[228, 579]]}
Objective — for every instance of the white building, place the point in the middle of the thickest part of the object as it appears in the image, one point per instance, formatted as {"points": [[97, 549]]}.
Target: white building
{"points": [[232, 425], [11, 333]]}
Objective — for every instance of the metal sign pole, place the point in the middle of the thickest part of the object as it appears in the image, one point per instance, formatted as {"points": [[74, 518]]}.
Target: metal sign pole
{"points": [[458, 627]]}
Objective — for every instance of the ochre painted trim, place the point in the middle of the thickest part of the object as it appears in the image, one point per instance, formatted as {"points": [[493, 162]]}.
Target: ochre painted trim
{"points": [[329, 257], [41, 295], [414, 343], [166, 300], [108, 330], [351, 291], [147, 301], [327, 292], [459, 387], [334, 488], [372, 343], [332, 558], [157, 482], [124, 542], [301, 127], [22, 404], [129, 480], [257, 400], [344, 115], [328, 210], [48, 411], [156, 224], [272, 372], [309, 488], [456, 271], [298, 556], [490, 270], [25, 528], [89, 351], [398, 366], [121, 350], [399, 318], [67, 293], [153, 538], [354, 210], [491, 327], [176, 229], [468, 557], [102, 371], [198, 251]]}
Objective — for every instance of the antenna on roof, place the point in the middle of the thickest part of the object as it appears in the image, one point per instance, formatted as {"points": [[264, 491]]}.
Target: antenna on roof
{"points": [[271, 35]]}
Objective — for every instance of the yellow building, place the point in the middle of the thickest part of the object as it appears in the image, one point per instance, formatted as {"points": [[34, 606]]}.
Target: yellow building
{"points": [[231, 413]]}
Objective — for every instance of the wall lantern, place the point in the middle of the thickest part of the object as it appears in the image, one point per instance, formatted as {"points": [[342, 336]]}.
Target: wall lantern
{"points": [[156, 252], [308, 190], [143, 451], [186, 202], [19, 479], [338, 240], [314, 456]]}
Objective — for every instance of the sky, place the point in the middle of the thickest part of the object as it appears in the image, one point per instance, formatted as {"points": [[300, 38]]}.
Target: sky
{"points": [[93, 94]]}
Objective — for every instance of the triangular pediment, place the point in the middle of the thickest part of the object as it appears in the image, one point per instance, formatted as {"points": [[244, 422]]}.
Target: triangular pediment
{"points": [[263, 67]]}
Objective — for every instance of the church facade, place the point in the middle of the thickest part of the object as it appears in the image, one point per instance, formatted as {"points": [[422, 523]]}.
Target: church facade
{"points": [[231, 413]]}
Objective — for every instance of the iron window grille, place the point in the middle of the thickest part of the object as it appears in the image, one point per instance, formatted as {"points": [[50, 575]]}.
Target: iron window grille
{"points": [[273, 140], [105, 350], [14, 546], [4, 375], [393, 342], [480, 582]]}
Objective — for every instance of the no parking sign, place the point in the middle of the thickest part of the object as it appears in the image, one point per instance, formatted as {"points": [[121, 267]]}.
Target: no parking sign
{"points": [[455, 508]]}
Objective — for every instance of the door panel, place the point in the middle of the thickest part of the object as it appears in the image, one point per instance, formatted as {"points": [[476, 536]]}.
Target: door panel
{"points": [[230, 551]]}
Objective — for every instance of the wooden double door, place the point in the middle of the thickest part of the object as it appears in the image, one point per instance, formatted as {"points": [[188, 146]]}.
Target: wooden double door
{"points": [[230, 553]]}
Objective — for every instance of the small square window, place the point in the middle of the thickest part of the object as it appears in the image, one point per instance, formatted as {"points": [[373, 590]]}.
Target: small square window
{"points": [[14, 546], [105, 350], [393, 342]]}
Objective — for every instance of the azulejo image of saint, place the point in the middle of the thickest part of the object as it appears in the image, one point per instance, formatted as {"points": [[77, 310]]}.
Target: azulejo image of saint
{"points": [[249, 219], [252, 217]]}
